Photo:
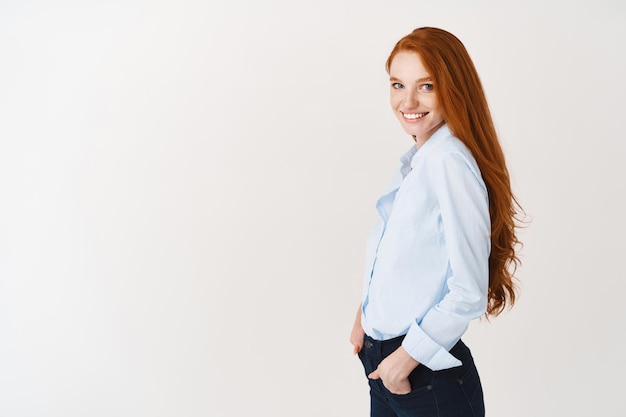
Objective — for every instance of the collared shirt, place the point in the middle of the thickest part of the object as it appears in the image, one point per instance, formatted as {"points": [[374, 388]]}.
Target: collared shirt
{"points": [[427, 258]]}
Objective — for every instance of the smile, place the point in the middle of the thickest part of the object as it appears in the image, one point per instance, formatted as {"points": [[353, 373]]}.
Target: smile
{"points": [[414, 116]]}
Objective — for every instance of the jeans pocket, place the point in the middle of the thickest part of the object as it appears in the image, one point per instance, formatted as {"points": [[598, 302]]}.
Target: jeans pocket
{"points": [[421, 396], [472, 388], [420, 400]]}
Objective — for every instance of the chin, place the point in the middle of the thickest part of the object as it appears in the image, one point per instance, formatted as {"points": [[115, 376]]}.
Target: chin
{"points": [[414, 132]]}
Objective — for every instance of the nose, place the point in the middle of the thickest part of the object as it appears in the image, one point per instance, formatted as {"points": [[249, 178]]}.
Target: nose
{"points": [[410, 99]]}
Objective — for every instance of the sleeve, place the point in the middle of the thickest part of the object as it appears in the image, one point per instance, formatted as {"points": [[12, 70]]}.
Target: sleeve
{"points": [[464, 208]]}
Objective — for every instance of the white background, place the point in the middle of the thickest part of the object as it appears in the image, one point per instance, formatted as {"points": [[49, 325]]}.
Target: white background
{"points": [[186, 188]]}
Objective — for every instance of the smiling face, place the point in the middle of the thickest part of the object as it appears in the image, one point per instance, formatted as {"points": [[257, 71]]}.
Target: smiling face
{"points": [[413, 97]]}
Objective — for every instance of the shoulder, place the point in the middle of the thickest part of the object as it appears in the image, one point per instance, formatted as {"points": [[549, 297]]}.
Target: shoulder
{"points": [[449, 154], [449, 146]]}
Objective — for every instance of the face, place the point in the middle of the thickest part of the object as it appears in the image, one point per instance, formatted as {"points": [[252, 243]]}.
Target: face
{"points": [[413, 97]]}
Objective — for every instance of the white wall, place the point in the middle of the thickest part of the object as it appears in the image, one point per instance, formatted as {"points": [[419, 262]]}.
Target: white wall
{"points": [[186, 187]]}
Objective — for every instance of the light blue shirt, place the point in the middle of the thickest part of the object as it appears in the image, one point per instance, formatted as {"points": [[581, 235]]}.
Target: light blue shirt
{"points": [[427, 258]]}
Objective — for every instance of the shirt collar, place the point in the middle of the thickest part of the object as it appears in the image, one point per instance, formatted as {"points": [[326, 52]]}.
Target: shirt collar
{"points": [[416, 152]]}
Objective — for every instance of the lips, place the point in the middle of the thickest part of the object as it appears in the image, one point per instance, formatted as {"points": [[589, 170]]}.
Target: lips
{"points": [[413, 116]]}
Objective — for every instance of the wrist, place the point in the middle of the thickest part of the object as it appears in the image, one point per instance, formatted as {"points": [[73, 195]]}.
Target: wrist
{"points": [[407, 361]]}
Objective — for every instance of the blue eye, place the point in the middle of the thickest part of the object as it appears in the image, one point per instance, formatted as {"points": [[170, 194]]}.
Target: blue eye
{"points": [[427, 87], [396, 85]]}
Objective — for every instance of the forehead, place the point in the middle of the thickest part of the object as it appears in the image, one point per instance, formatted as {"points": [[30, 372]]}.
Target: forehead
{"points": [[407, 64]]}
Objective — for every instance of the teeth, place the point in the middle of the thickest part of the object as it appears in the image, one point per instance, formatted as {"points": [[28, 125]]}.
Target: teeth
{"points": [[414, 116]]}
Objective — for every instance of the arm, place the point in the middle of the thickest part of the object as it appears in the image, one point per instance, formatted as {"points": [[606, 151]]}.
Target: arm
{"points": [[464, 210]]}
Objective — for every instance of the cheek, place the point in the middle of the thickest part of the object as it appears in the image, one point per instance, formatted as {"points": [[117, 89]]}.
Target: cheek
{"points": [[434, 106]]}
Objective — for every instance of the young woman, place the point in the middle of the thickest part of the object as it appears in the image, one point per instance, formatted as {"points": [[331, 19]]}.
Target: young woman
{"points": [[444, 249]]}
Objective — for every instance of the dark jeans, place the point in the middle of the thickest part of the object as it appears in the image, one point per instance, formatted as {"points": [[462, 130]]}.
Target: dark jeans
{"points": [[454, 392]]}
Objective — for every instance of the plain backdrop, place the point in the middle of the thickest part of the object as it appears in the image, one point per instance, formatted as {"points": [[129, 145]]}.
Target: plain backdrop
{"points": [[186, 187]]}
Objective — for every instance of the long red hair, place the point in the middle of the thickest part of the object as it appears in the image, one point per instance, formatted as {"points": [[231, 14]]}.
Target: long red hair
{"points": [[465, 110]]}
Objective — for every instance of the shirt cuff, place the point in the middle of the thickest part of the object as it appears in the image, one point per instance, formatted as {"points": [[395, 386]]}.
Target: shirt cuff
{"points": [[426, 351]]}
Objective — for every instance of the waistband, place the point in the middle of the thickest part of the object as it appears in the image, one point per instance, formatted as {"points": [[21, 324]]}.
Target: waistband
{"points": [[369, 342]]}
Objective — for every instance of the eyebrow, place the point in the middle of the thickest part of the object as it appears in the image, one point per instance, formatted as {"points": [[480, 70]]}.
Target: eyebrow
{"points": [[421, 80]]}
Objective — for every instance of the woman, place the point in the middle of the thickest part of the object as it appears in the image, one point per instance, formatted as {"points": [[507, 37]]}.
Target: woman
{"points": [[444, 249]]}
